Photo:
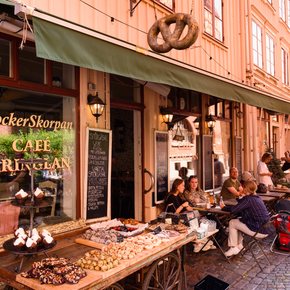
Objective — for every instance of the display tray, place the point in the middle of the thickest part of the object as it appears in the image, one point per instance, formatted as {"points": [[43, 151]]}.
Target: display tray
{"points": [[90, 243], [91, 278], [8, 246], [28, 203]]}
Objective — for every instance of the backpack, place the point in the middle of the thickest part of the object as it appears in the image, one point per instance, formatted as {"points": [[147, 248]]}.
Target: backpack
{"points": [[282, 225], [262, 188]]}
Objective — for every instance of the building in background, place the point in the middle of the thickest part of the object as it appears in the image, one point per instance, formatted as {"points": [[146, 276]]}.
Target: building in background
{"points": [[54, 55]]}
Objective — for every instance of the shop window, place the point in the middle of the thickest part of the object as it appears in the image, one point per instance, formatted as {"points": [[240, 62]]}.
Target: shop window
{"points": [[184, 100], [63, 75], [124, 89], [31, 68], [42, 127], [222, 147], [213, 18], [5, 57]]}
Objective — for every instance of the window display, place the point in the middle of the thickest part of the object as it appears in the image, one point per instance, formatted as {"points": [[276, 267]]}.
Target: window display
{"points": [[39, 128]]}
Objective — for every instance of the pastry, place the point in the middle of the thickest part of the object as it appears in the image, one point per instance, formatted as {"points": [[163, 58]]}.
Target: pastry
{"points": [[19, 242], [21, 196], [36, 238], [47, 240], [19, 231], [45, 233], [38, 193], [30, 244]]}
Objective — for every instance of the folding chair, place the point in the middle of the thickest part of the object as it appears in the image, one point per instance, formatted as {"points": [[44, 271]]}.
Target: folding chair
{"points": [[251, 241]]}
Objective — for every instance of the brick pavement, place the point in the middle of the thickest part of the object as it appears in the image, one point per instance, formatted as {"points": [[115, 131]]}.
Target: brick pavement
{"points": [[242, 272]]}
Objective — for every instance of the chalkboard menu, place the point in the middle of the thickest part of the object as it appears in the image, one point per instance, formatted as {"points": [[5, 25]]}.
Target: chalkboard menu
{"points": [[161, 165], [98, 181], [208, 162]]}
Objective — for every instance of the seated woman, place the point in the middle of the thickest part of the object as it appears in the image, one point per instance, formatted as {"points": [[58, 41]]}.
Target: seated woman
{"points": [[193, 193], [174, 203], [252, 214]]}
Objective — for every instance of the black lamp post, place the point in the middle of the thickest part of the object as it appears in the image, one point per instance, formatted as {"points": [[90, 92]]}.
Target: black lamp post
{"points": [[167, 117], [96, 105], [196, 123], [210, 120]]}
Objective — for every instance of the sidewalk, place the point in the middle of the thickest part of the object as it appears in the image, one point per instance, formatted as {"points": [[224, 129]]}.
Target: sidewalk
{"points": [[243, 272]]}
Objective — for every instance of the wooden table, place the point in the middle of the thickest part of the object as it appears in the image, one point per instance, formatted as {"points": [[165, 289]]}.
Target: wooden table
{"points": [[222, 218], [284, 190], [275, 194], [66, 247]]}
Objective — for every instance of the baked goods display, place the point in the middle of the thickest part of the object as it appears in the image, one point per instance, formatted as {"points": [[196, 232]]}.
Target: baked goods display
{"points": [[99, 261], [21, 196], [38, 193], [120, 228], [111, 256], [64, 227], [102, 236], [181, 228], [32, 240], [55, 271], [130, 222]]}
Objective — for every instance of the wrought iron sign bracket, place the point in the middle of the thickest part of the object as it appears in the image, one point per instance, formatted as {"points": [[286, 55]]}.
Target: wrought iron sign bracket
{"points": [[132, 8]]}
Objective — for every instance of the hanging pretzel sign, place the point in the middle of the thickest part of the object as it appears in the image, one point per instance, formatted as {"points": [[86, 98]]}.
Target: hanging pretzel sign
{"points": [[172, 39]]}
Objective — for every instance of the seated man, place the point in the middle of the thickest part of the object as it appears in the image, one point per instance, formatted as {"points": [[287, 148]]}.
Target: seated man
{"points": [[286, 164], [231, 186]]}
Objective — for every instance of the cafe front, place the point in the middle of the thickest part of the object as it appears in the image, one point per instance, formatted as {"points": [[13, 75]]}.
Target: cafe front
{"points": [[45, 115]]}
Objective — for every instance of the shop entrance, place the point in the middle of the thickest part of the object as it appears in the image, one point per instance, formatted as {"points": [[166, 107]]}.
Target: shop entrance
{"points": [[126, 173]]}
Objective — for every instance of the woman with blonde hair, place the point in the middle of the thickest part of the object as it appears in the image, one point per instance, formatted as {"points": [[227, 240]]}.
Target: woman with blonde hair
{"points": [[252, 214]]}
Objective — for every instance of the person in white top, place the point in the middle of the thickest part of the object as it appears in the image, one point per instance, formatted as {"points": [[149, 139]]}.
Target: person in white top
{"points": [[263, 172]]}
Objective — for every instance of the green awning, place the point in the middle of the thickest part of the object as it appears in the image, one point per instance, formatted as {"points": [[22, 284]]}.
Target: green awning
{"points": [[6, 2], [59, 43]]}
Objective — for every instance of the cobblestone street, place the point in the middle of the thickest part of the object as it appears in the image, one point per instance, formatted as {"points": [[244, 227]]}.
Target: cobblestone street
{"points": [[241, 272]]}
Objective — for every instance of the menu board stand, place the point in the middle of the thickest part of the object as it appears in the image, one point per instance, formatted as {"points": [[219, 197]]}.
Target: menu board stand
{"points": [[98, 174], [161, 165]]}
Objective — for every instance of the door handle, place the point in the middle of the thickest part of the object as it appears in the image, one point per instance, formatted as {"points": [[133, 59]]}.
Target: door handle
{"points": [[151, 179]]}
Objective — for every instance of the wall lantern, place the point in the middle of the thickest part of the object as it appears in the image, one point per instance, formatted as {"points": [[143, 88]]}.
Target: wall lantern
{"points": [[167, 117], [96, 105], [210, 120], [196, 123]]}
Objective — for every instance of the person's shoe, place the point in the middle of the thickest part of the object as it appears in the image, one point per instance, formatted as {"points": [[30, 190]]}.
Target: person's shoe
{"points": [[197, 248], [240, 246], [232, 251]]}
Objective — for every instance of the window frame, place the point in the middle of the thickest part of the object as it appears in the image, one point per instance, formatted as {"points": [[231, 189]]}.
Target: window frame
{"points": [[284, 67], [270, 54], [162, 3], [14, 81], [214, 16], [282, 10], [258, 49]]}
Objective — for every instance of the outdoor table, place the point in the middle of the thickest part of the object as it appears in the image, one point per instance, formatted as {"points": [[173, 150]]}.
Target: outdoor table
{"points": [[221, 217], [275, 194], [269, 202], [284, 190], [66, 247]]}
